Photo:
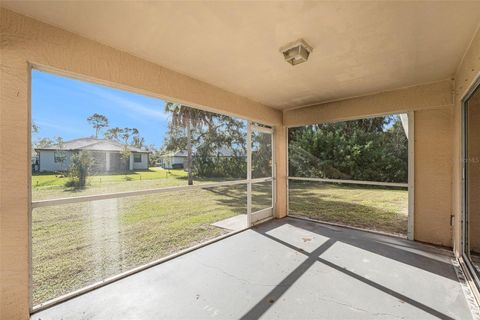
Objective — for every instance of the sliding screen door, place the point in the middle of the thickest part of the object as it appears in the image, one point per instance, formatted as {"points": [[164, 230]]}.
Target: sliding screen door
{"points": [[262, 173]]}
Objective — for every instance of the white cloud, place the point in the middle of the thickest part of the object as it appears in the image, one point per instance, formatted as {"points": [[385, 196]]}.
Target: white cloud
{"points": [[132, 106], [60, 127]]}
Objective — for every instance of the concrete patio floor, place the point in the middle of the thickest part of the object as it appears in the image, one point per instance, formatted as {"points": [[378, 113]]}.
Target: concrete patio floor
{"points": [[285, 269]]}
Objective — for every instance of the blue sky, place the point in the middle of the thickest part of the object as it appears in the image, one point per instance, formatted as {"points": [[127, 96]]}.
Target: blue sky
{"points": [[61, 105]]}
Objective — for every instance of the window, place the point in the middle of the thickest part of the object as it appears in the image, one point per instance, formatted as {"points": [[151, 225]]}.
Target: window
{"points": [[59, 156], [137, 157]]}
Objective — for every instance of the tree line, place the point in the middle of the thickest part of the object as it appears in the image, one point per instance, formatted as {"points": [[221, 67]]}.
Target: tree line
{"points": [[374, 149]]}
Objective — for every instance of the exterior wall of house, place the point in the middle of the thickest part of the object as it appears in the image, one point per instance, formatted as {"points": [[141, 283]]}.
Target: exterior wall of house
{"points": [[179, 160], [47, 161], [103, 162], [466, 74], [141, 165], [98, 161], [432, 106], [169, 161], [25, 41]]}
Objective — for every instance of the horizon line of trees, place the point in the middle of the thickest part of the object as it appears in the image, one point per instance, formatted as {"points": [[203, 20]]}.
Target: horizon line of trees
{"points": [[374, 149]]}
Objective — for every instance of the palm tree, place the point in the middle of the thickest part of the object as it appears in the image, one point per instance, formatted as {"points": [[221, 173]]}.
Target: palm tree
{"points": [[189, 119]]}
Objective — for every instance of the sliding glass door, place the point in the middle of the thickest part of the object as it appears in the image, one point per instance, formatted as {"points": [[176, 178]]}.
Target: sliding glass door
{"points": [[471, 168]]}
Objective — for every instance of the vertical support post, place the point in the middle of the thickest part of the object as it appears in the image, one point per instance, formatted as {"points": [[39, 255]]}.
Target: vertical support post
{"points": [[274, 170], [249, 174], [462, 219], [29, 184], [281, 195], [411, 176]]}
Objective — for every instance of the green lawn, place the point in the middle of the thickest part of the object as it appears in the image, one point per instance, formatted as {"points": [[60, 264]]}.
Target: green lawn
{"points": [[75, 245], [78, 244], [49, 179], [51, 185], [375, 208]]}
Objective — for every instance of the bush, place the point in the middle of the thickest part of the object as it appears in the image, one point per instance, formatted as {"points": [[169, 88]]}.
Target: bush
{"points": [[220, 167], [81, 163]]}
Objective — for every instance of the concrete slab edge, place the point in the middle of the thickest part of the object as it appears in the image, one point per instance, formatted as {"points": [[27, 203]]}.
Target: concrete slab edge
{"points": [[467, 291]]}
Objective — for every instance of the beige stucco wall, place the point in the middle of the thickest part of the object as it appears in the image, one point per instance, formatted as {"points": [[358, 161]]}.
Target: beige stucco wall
{"points": [[467, 73], [23, 41], [434, 95], [433, 176], [432, 106]]}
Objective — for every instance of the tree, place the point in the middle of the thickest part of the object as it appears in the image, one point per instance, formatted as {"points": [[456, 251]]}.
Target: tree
{"points": [[35, 128], [44, 143], [81, 163], [113, 134], [125, 153], [218, 145], [126, 136], [138, 141], [261, 155], [374, 149], [98, 122], [154, 155], [189, 119]]}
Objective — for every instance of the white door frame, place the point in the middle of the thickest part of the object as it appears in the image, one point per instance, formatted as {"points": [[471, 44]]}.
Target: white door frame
{"points": [[266, 213]]}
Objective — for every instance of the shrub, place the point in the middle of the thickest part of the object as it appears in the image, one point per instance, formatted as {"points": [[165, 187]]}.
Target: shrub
{"points": [[81, 163]]}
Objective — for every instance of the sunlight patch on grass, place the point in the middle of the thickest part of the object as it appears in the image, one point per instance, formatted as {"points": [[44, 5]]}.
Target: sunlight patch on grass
{"points": [[75, 245], [376, 208]]}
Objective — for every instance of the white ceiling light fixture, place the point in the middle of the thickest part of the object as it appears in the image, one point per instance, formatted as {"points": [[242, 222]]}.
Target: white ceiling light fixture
{"points": [[296, 52]]}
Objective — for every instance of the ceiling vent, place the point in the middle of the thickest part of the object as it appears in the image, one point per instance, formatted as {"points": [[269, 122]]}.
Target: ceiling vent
{"points": [[296, 52]]}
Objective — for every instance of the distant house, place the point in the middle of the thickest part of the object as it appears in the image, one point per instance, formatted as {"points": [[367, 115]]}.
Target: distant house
{"points": [[173, 160], [178, 160], [106, 155]]}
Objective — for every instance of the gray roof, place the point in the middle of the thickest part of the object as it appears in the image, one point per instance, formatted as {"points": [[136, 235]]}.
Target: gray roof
{"points": [[92, 144]]}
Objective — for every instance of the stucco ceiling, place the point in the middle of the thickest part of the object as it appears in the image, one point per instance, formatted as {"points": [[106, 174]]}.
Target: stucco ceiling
{"points": [[358, 47]]}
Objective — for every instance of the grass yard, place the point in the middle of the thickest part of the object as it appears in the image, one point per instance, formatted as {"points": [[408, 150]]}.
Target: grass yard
{"points": [[50, 185], [382, 209], [75, 245]]}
